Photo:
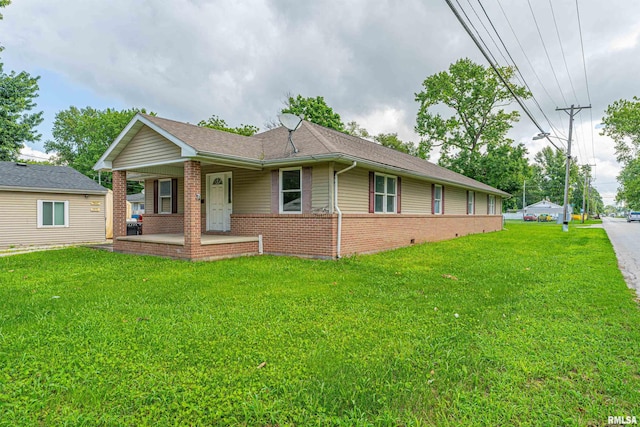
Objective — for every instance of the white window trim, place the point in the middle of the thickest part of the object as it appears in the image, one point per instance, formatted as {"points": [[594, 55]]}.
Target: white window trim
{"points": [[492, 204], [66, 214], [280, 191], [471, 202], [160, 197], [385, 194], [439, 211]]}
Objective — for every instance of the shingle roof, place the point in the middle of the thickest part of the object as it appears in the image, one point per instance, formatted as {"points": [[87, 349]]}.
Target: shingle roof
{"points": [[44, 177], [135, 198], [312, 141]]}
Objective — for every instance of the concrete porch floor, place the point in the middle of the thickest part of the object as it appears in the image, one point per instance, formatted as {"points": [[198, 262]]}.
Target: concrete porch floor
{"points": [[178, 239]]}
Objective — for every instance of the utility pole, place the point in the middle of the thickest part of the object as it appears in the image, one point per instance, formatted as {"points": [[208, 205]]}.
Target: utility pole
{"points": [[573, 110], [524, 191]]}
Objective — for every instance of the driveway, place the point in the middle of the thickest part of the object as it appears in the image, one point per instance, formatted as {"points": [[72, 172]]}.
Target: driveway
{"points": [[625, 238]]}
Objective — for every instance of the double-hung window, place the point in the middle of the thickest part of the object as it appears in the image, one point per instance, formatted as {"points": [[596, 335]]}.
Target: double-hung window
{"points": [[437, 199], [165, 196], [385, 194], [491, 208], [291, 190], [471, 201], [53, 213]]}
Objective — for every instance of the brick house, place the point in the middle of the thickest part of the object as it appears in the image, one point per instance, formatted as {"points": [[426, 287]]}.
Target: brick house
{"points": [[212, 194]]}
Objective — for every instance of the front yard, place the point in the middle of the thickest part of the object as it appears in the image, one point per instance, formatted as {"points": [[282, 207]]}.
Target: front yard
{"points": [[528, 326]]}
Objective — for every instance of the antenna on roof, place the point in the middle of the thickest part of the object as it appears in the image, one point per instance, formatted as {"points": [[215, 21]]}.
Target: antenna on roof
{"points": [[291, 122]]}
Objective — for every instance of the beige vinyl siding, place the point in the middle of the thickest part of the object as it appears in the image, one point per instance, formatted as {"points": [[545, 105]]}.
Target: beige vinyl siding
{"points": [[149, 195], [19, 220], [321, 177], [251, 190], [353, 191], [481, 203], [147, 147], [416, 196], [455, 200]]}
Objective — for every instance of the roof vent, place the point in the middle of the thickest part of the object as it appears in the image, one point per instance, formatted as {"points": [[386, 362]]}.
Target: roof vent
{"points": [[21, 164]]}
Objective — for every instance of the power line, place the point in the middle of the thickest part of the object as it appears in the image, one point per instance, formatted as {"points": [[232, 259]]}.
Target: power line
{"points": [[495, 68], [564, 57], [553, 71], [586, 79]]}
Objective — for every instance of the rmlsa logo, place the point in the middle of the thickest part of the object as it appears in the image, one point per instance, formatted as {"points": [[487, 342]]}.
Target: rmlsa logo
{"points": [[622, 420]]}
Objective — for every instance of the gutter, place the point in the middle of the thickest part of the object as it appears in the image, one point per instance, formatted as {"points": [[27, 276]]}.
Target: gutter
{"points": [[337, 208]]}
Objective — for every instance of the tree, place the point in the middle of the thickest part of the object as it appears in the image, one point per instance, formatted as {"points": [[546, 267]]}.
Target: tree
{"points": [[505, 166], [17, 124], [622, 124], [314, 110], [215, 122], [549, 175], [81, 136], [391, 140], [474, 94]]}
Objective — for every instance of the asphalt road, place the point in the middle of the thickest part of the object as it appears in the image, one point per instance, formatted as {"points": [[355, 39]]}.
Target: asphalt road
{"points": [[625, 238]]}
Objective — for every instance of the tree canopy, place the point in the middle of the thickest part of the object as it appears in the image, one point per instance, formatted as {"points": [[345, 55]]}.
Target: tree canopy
{"points": [[81, 136], [314, 110], [17, 123], [215, 122]]}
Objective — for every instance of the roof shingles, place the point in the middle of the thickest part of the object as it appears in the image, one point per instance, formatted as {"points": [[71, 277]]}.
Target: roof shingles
{"points": [[45, 177]]}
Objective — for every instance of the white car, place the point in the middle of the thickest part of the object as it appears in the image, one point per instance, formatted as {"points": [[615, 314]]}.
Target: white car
{"points": [[633, 216]]}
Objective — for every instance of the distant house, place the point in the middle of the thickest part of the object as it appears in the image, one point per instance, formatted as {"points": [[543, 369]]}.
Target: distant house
{"points": [[137, 203], [546, 207], [47, 205], [212, 194]]}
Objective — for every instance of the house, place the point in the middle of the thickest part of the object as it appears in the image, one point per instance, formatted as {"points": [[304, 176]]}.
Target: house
{"points": [[546, 207], [49, 205], [137, 203], [315, 192]]}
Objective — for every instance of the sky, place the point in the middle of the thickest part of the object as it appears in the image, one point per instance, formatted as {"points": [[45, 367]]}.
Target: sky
{"points": [[190, 59]]}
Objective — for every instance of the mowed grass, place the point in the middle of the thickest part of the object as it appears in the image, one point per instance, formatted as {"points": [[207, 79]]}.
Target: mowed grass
{"points": [[528, 326]]}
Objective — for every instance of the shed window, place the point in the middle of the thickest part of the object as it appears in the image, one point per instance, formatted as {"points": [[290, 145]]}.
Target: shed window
{"points": [[53, 213]]}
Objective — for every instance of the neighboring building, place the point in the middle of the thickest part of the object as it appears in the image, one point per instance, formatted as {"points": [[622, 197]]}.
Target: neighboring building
{"points": [[212, 194], [49, 205], [546, 207], [137, 203]]}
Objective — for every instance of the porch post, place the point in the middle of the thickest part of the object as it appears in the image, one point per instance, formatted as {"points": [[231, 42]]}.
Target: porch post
{"points": [[192, 209], [119, 182]]}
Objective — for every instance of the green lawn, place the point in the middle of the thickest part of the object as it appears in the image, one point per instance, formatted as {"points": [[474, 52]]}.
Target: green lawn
{"points": [[529, 326]]}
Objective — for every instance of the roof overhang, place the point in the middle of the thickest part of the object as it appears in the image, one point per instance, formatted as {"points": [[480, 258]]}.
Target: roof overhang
{"points": [[52, 190]]}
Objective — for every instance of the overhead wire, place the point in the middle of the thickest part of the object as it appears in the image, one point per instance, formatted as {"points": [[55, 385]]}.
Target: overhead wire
{"points": [[495, 68], [586, 79]]}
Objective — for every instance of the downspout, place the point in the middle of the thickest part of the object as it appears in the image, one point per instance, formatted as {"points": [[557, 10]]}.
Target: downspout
{"points": [[337, 208]]}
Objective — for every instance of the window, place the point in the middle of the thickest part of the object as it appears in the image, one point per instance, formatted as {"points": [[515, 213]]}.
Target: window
{"points": [[291, 190], [471, 202], [385, 194], [53, 213], [491, 208], [437, 199], [164, 196]]}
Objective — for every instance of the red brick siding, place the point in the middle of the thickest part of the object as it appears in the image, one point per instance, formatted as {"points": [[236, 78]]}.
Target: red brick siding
{"points": [[162, 223], [306, 234], [363, 233], [192, 210], [201, 253]]}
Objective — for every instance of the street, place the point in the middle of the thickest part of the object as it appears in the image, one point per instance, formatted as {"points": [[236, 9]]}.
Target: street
{"points": [[625, 238]]}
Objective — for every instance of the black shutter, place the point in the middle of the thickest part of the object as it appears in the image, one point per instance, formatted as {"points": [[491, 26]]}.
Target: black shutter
{"points": [[155, 196], [399, 195], [372, 192], [174, 195]]}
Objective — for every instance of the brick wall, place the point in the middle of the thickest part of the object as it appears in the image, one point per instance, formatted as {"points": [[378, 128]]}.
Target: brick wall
{"points": [[363, 233], [162, 223], [311, 235], [192, 210], [202, 253]]}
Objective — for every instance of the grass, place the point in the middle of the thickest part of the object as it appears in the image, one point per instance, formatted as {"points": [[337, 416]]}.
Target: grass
{"points": [[529, 326]]}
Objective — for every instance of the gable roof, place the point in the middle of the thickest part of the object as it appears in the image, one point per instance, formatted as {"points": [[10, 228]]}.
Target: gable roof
{"points": [[44, 178], [545, 204], [272, 148]]}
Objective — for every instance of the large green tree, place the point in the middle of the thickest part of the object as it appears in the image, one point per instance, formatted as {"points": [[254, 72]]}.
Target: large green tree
{"points": [[622, 123], [17, 121], [461, 111], [549, 176], [82, 135], [314, 110], [215, 122]]}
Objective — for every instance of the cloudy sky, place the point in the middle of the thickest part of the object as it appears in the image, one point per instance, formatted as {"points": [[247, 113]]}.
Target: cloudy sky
{"points": [[190, 59]]}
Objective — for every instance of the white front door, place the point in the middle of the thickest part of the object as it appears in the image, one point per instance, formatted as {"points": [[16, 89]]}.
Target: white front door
{"points": [[219, 205]]}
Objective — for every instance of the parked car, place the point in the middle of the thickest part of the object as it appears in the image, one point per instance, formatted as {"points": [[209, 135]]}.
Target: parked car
{"points": [[545, 218], [633, 216], [530, 217]]}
